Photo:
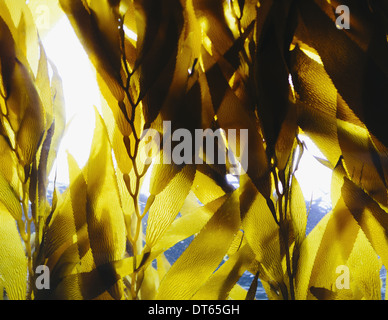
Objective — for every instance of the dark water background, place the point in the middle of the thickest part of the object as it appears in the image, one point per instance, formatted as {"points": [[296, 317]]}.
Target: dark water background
{"points": [[318, 208]]}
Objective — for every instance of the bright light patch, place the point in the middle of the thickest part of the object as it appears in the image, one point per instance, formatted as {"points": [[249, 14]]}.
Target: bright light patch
{"points": [[291, 86], [313, 56]]}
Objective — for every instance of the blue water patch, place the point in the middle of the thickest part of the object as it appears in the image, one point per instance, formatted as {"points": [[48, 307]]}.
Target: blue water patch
{"points": [[383, 277]]}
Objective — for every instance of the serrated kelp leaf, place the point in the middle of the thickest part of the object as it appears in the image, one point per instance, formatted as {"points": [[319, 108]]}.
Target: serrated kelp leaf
{"points": [[78, 197], [104, 215], [127, 204], [20, 21], [163, 265], [78, 270], [359, 54], [251, 294], [237, 293], [159, 27], [89, 23], [232, 110], [59, 116], [275, 29], [161, 176], [191, 204], [13, 262], [256, 215], [286, 139], [167, 204], [333, 241], [235, 114], [364, 268], [361, 160], [25, 114], [59, 233], [117, 127], [210, 183], [72, 243], [317, 103], [51, 93], [187, 225], [337, 181], [223, 280], [10, 170], [109, 99], [42, 176], [44, 88], [198, 262], [9, 199], [372, 219], [363, 271], [298, 212], [93, 284], [306, 260], [7, 55], [326, 294], [335, 247], [211, 14]]}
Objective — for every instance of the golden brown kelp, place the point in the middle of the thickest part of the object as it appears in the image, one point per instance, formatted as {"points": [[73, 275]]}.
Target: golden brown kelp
{"points": [[32, 122], [277, 68]]}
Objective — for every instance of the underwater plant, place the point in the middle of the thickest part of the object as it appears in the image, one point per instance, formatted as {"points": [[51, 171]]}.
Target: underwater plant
{"points": [[274, 69]]}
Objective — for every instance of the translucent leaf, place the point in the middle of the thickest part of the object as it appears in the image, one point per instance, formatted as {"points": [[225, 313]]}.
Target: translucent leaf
{"points": [[256, 215], [9, 199], [237, 293], [298, 211], [167, 204], [26, 114], [362, 161], [216, 27], [44, 88], [90, 24], [10, 170], [355, 61], [372, 219], [210, 183], [59, 117], [197, 263], [364, 268], [13, 262], [328, 246], [159, 27], [223, 280], [150, 283], [187, 225], [318, 108], [104, 215], [275, 29], [7, 55], [46, 14]]}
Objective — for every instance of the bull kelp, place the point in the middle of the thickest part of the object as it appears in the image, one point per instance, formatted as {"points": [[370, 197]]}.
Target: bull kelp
{"points": [[253, 76]]}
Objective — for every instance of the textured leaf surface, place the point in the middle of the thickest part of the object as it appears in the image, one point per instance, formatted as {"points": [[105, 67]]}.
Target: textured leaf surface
{"points": [[201, 258], [13, 262]]}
